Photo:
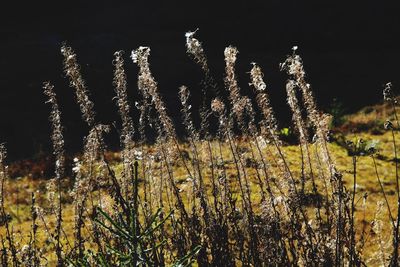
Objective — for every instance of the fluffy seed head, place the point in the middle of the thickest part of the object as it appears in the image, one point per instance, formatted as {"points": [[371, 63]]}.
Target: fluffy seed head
{"points": [[231, 82], [195, 49], [3, 153], [57, 135], [256, 76], [262, 99], [72, 70], [294, 106], [293, 65], [217, 106], [94, 142], [120, 87], [184, 95], [387, 92], [148, 87]]}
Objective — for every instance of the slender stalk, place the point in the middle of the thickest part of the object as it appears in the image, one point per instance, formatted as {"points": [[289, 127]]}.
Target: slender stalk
{"points": [[391, 218], [135, 218], [352, 231], [396, 229]]}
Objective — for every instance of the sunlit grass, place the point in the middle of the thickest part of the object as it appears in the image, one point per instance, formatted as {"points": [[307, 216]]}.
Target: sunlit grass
{"points": [[19, 192]]}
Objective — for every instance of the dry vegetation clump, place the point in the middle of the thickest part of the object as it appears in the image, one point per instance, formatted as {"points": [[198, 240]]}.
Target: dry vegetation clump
{"points": [[225, 197]]}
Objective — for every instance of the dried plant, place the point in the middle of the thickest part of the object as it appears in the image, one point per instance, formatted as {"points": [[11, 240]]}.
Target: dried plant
{"points": [[148, 86], [222, 197], [120, 84], [72, 71], [3, 176], [4, 215], [209, 88], [58, 150], [128, 131], [263, 101], [195, 49]]}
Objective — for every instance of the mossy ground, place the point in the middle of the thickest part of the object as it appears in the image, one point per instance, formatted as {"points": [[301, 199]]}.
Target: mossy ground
{"points": [[18, 193]]}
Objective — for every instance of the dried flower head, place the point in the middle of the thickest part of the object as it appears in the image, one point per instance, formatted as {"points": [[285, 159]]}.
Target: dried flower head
{"points": [[184, 95], [72, 70], [127, 133], [217, 106], [148, 86], [120, 87], [3, 174], [257, 76], [76, 166], [3, 154], [195, 49], [294, 106], [239, 103], [230, 78], [94, 143], [388, 94], [294, 65], [209, 87], [57, 135], [262, 99]]}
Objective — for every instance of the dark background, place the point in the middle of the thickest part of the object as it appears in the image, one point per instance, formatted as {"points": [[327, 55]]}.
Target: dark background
{"points": [[350, 49]]}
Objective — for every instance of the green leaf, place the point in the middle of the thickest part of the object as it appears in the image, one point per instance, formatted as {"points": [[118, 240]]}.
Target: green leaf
{"points": [[188, 259]]}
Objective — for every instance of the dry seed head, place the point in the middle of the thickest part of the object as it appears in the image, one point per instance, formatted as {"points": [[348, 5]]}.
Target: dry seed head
{"points": [[239, 103], [140, 55], [262, 99], [230, 79], [3, 171], [57, 135], [217, 106], [245, 109], [309, 102], [148, 87], [184, 95], [72, 70], [143, 108], [257, 75], [195, 49], [324, 123], [294, 106], [94, 143], [3, 155], [230, 54], [76, 166], [387, 92], [294, 65], [93, 150], [120, 87], [209, 88]]}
